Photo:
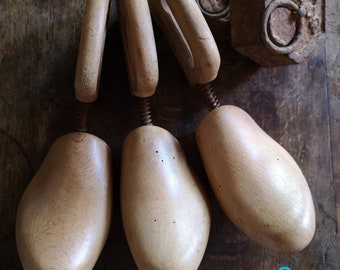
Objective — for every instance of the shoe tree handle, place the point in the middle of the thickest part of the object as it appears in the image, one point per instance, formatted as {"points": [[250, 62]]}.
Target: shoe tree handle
{"points": [[90, 52], [140, 47], [190, 38]]}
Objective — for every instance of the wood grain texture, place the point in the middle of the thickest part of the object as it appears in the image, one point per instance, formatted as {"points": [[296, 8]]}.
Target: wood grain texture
{"points": [[333, 84], [165, 212], [297, 105], [192, 42], [140, 46], [258, 184], [64, 215], [90, 52]]}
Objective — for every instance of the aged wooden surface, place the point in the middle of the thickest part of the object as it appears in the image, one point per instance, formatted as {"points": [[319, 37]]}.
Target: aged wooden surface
{"points": [[332, 51], [298, 105]]}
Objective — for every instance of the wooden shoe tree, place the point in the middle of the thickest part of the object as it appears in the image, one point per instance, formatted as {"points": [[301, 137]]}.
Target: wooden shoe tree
{"points": [[257, 183], [64, 215], [165, 213]]}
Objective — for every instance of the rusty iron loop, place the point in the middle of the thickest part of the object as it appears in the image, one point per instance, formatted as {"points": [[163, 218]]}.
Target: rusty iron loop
{"points": [[297, 10], [211, 14]]}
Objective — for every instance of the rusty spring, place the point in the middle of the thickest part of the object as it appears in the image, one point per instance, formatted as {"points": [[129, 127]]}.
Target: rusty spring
{"points": [[209, 96], [145, 111], [81, 113]]}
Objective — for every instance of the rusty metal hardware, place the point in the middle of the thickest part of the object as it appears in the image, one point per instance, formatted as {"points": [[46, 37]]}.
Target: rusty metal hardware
{"points": [[217, 15], [277, 32], [214, 9]]}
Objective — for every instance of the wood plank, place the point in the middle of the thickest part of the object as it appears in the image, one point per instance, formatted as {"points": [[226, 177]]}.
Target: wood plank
{"points": [[333, 75], [297, 105]]}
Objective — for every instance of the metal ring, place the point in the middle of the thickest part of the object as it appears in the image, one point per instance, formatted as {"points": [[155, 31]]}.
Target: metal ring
{"points": [[299, 11], [218, 15]]}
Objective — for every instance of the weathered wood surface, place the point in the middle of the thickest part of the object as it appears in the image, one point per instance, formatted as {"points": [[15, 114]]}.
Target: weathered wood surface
{"points": [[298, 105], [333, 74]]}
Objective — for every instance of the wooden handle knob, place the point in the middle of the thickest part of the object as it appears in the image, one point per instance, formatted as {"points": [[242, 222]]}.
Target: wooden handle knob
{"points": [[190, 37], [91, 50], [140, 48]]}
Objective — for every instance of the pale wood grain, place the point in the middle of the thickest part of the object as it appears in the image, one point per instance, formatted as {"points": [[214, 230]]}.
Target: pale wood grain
{"points": [[64, 214], [140, 47], [190, 37], [91, 48], [257, 183], [165, 212], [38, 53]]}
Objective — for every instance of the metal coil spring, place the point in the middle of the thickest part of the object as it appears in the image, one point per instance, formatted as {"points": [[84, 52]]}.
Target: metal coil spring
{"points": [[145, 111], [209, 95], [81, 114]]}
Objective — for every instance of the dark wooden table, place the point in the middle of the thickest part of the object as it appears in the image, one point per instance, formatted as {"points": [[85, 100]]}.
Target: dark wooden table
{"points": [[298, 105]]}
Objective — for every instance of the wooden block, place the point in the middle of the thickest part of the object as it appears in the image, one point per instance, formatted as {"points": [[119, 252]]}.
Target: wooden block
{"points": [[279, 32]]}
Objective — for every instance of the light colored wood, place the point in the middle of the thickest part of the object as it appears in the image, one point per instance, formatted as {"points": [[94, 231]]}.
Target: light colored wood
{"points": [[64, 215], [91, 48], [257, 183], [140, 47], [165, 213], [293, 104], [190, 37]]}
